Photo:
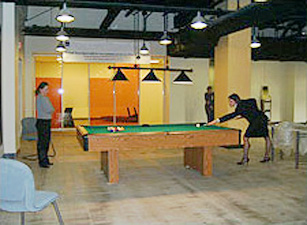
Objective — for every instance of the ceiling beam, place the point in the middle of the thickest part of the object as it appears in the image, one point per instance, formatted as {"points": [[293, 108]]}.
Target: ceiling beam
{"points": [[94, 33], [262, 15], [119, 5], [215, 3], [108, 20]]}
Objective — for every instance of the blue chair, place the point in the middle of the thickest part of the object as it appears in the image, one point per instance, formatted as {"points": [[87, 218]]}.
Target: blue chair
{"points": [[17, 190]]}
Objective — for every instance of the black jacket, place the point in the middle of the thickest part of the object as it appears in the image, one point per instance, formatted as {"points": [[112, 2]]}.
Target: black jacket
{"points": [[247, 109]]}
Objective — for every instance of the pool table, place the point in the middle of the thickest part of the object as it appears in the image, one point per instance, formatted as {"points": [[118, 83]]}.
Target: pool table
{"points": [[196, 141]]}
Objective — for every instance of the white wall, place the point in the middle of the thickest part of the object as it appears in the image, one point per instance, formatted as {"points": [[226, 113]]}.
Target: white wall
{"points": [[1, 145], [187, 101], [34, 45], [8, 78]]}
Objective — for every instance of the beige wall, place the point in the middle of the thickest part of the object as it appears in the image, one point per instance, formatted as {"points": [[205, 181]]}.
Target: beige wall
{"points": [[48, 69], [300, 92], [232, 69], [76, 88], [287, 87], [101, 70], [187, 101], [151, 97]]}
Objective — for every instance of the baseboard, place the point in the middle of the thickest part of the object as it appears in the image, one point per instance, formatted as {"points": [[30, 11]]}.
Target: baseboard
{"points": [[232, 146]]}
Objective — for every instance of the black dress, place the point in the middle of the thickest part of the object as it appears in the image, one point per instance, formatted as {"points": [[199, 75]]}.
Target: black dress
{"points": [[258, 121]]}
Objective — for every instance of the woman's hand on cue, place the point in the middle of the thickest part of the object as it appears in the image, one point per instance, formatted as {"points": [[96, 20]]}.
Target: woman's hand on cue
{"points": [[212, 122]]}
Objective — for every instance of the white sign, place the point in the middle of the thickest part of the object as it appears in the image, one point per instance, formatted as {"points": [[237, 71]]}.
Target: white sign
{"points": [[105, 58], [105, 50]]}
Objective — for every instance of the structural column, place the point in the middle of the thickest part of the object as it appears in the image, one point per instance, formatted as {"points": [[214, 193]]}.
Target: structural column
{"points": [[232, 66], [8, 78]]}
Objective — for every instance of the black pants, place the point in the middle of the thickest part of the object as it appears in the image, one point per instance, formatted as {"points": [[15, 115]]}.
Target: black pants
{"points": [[210, 113], [44, 135]]}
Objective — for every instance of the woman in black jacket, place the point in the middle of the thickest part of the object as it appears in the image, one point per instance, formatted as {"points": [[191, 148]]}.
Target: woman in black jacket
{"points": [[258, 124]]}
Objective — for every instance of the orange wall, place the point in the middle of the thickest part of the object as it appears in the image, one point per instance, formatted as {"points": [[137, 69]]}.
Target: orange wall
{"points": [[127, 92], [101, 97], [101, 94]]}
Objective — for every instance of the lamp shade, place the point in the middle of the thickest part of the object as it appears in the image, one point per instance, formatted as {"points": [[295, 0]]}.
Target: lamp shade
{"points": [[144, 50], [61, 47], [198, 22], [62, 35], [151, 77], [119, 76], [255, 42], [182, 79], [65, 15], [165, 39]]}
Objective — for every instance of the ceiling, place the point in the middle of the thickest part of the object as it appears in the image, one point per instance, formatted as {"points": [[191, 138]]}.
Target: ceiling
{"points": [[280, 23]]}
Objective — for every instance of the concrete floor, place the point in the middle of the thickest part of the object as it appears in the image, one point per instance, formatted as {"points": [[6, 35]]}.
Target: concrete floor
{"points": [[155, 189]]}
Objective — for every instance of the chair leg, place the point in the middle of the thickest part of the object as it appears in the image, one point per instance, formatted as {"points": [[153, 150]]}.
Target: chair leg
{"points": [[57, 211], [22, 218]]}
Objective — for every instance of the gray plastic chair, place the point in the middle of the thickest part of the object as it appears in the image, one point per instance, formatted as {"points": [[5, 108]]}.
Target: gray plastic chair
{"points": [[17, 190], [29, 131]]}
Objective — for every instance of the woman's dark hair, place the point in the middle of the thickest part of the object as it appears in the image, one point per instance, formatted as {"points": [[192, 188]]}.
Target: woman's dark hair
{"points": [[40, 86], [234, 97]]}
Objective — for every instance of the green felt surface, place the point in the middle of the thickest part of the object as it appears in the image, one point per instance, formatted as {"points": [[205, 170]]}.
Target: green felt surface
{"points": [[153, 128]]}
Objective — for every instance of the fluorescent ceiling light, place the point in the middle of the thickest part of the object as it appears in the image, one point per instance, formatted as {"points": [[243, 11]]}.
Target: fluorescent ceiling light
{"points": [[154, 61]]}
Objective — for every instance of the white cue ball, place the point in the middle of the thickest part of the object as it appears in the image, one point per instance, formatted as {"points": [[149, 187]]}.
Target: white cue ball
{"points": [[197, 125]]}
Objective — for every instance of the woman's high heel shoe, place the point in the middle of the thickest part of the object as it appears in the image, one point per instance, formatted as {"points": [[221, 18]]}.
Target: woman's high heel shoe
{"points": [[265, 159], [243, 161]]}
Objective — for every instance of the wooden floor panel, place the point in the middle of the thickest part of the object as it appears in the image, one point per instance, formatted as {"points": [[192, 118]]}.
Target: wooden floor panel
{"points": [[156, 189]]}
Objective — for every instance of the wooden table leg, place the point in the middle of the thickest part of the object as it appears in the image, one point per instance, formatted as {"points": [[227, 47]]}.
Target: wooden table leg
{"points": [[199, 159], [109, 164]]}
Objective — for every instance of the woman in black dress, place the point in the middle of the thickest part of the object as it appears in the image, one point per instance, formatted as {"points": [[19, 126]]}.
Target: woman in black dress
{"points": [[258, 124]]}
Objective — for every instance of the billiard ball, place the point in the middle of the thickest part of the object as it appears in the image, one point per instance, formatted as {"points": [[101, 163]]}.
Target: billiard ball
{"points": [[197, 125], [120, 128], [112, 129]]}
